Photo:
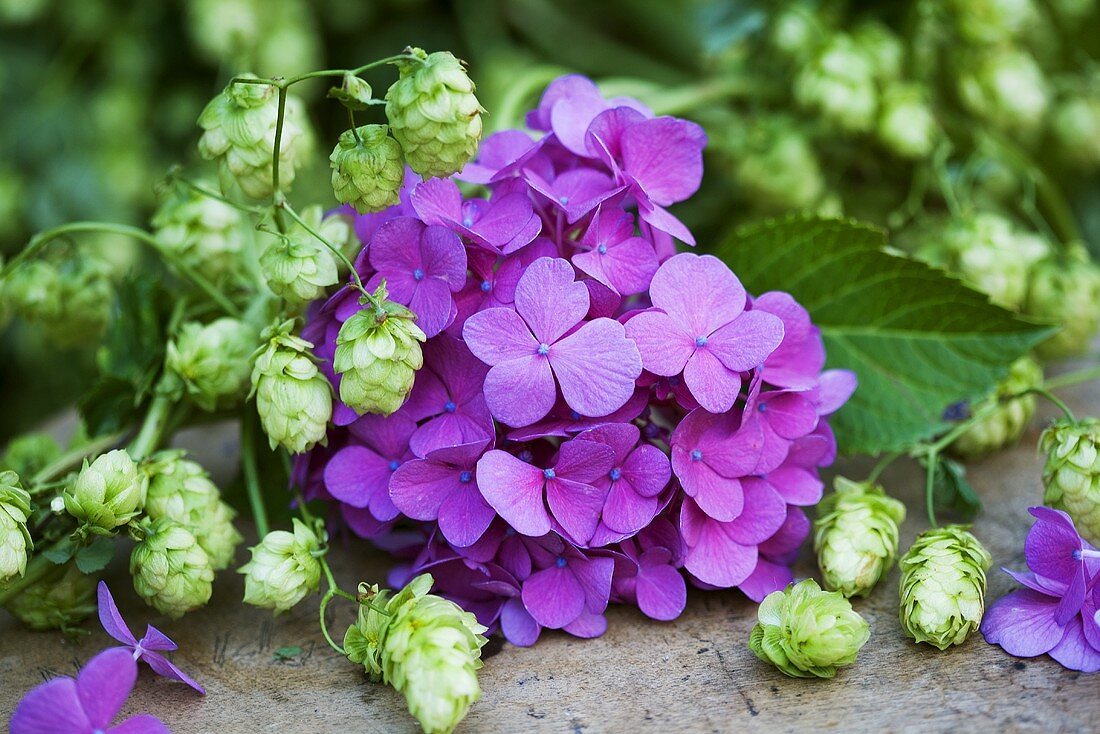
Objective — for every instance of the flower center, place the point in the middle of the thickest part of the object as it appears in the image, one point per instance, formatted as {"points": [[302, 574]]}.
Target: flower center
{"points": [[418, 274], [574, 415], [394, 464], [544, 349], [548, 473], [465, 477], [509, 532], [1079, 553], [763, 407], [449, 406], [526, 456], [700, 341], [615, 474], [564, 200], [560, 563], [696, 455], [467, 221], [674, 381], [602, 249], [486, 286]]}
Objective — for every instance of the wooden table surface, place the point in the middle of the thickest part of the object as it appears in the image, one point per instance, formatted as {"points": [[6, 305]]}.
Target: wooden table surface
{"points": [[695, 674]]}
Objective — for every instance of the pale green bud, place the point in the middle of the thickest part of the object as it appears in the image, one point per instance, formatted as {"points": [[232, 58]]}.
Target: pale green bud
{"points": [[293, 397], [200, 231], [426, 647], [223, 29], [239, 133], [434, 114], [882, 46], [775, 167], [171, 571], [367, 172], [70, 301], [1066, 291], [1071, 475], [807, 632], [107, 493], [906, 124], [64, 597], [1006, 88], [942, 588], [796, 30], [212, 361], [181, 490], [991, 21], [15, 539], [378, 353], [30, 453], [1076, 126], [284, 568], [856, 536], [989, 253], [298, 267], [1009, 417], [839, 85]]}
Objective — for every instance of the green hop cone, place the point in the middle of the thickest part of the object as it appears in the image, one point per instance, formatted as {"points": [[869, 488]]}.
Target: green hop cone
{"points": [[200, 231], [171, 571], [839, 85], [775, 167], [368, 170], [377, 355], [1006, 88], [807, 632], [990, 253], [211, 361], [991, 21], [1076, 127], [284, 568], [882, 47], [293, 397], [426, 647], [239, 134], [61, 599], [1066, 290], [15, 539], [107, 493], [906, 123], [30, 453], [1071, 475], [1009, 417], [180, 490], [298, 267], [942, 587], [856, 536], [69, 300], [434, 114]]}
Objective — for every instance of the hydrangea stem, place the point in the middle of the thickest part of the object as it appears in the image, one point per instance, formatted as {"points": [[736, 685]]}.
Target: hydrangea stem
{"points": [[252, 475]]}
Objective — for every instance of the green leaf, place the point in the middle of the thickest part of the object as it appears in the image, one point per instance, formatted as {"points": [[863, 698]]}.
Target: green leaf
{"points": [[61, 552], [917, 337], [95, 557], [952, 493], [287, 653]]}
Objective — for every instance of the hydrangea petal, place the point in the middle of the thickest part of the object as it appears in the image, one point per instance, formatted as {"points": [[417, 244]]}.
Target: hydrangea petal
{"points": [[698, 291], [661, 592], [549, 299], [497, 335], [596, 367], [520, 391], [576, 506], [464, 516], [745, 342], [1022, 622], [712, 556], [104, 683], [355, 473], [665, 155], [1073, 650], [711, 382], [765, 578], [517, 624], [109, 616], [51, 708], [514, 489], [664, 347], [418, 488], [553, 597]]}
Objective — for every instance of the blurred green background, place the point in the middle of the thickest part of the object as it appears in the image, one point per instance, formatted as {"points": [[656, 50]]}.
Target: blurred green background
{"points": [[913, 115]]}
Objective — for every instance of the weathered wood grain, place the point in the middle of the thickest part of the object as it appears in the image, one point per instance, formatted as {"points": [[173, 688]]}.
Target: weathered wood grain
{"points": [[692, 675]]}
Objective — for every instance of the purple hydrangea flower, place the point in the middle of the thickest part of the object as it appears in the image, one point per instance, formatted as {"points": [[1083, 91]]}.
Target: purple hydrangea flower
{"points": [[447, 399], [568, 107], [503, 155], [564, 421], [422, 266], [443, 486], [574, 193], [1056, 612], [800, 357], [88, 704], [699, 327], [359, 474], [493, 280], [613, 255], [656, 585], [779, 417], [544, 341], [566, 586], [638, 474], [522, 493], [502, 224], [148, 648]]}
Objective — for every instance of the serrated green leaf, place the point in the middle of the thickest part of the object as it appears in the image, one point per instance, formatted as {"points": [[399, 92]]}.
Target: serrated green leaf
{"points": [[952, 493], [61, 552], [95, 557], [917, 337]]}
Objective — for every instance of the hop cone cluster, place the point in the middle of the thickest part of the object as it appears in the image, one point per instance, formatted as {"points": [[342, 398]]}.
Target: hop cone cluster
{"points": [[171, 570], [856, 536], [200, 231], [297, 266], [283, 569], [1071, 476], [434, 114], [293, 398], [839, 84], [807, 632], [107, 493], [15, 539], [943, 586], [367, 169], [239, 134], [70, 301], [64, 597], [30, 453], [181, 491], [211, 361], [425, 646], [377, 355], [1008, 419], [1066, 291]]}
